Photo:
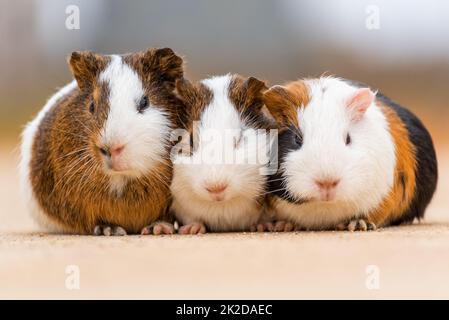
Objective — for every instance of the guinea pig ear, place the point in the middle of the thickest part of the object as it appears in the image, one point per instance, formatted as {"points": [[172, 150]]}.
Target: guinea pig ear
{"points": [[359, 102], [163, 65], [280, 103], [186, 91], [85, 67], [255, 87], [254, 92]]}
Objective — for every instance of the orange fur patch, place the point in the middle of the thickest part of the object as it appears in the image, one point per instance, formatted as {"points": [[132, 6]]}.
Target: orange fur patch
{"points": [[283, 101], [403, 190]]}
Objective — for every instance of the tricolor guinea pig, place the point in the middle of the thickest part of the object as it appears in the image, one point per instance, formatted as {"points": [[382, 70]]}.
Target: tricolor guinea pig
{"points": [[96, 157], [219, 183], [350, 158]]}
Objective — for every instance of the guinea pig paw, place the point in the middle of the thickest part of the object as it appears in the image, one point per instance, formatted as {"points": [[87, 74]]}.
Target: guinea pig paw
{"points": [[284, 226], [357, 225], [158, 228], [106, 230], [262, 227], [193, 228]]}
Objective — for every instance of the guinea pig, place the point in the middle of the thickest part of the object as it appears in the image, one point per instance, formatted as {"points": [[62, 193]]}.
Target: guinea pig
{"points": [[95, 160], [219, 181], [350, 158]]}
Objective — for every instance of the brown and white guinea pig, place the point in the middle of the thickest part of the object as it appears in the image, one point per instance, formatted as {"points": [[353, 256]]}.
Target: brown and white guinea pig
{"points": [[96, 157], [350, 158], [219, 181]]}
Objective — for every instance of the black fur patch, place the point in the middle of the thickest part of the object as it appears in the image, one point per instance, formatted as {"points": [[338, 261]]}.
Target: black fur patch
{"points": [[426, 169], [289, 140], [403, 184]]}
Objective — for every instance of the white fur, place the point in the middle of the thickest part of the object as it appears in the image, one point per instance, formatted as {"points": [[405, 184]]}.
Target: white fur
{"points": [[144, 135], [191, 202], [26, 151], [365, 167]]}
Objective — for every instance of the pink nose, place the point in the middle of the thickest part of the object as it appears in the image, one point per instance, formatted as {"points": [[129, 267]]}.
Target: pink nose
{"points": [[112, 152], [327, 184], [113, 155], [216, 187], [116, 150]]}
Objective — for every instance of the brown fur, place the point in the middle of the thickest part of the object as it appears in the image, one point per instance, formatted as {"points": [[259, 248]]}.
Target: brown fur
{"points": [[159, 69], [245, 93], [284, 101], [196, 97], [85, 67], [65, 168], [247, 96], [403, 190]]}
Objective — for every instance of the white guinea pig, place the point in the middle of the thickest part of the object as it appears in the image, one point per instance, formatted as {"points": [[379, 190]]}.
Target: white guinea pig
{"points": [[349, 158], [219, 183]]}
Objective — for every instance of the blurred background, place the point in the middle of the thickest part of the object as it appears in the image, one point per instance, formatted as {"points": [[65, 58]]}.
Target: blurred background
{"points": [[400, 47]]}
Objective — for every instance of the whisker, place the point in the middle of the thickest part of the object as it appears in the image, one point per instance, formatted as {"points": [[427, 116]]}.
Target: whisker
{"points": [[80, 122], [272, 180], [81, 168], [70, 133], [271, 191], [71, 165], [73, 152], [89, 172]]}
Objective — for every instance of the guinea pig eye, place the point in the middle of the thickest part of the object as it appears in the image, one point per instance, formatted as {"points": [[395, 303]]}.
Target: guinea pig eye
{"points": [[92, 107], [143, 104], [298, 139], [348, 139], [191, 140]]}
